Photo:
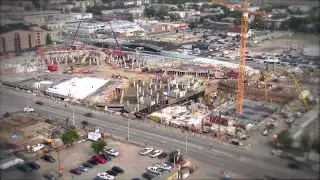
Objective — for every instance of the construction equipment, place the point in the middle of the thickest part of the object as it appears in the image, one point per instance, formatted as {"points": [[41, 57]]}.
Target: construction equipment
{"points": [[243, 44], [291, 75], [239, 8]]}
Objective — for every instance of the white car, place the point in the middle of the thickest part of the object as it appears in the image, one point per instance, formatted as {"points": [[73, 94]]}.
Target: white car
{"points": [[105, 176], [112, 152], [155, 170], [163, 166], [146, 151], [28, 109], [276, 152], [155, 153]]}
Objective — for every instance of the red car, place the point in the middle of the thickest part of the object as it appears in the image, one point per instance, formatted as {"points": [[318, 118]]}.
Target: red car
{"points": [[75, 171], [99, 159]]}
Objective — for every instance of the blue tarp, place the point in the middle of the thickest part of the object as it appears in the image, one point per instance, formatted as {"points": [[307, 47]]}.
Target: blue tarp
{"points": [[14, 137]]}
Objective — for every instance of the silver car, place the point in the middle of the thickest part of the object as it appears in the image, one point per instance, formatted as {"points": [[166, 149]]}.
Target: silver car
{"points": [[83, 169]]}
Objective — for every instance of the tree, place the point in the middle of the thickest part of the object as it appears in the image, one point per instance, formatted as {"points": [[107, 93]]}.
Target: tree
{"points": [[193, 25], [305, 142], [315, 145], [175, 157], [48, 39], [98, 146], [284, 138], [236, 22], [69, 136], [28, 7], [6, 115], [36, 4]]}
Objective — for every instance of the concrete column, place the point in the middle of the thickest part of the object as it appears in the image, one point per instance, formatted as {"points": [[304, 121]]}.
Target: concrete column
{"points": [[177, 85], [138, 107], [139, 89], [151, 91], [90, 58], [128, 103], [150, 84], [143, 83], [134, 83], [155, 87], [143, 92]]}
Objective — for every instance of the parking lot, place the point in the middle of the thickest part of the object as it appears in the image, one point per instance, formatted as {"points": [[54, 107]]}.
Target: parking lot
{"points": [[129, 160]]}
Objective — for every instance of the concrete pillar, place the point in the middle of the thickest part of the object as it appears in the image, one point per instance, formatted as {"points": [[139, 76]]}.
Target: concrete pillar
{"points": [[155, 87], [138, 107], [143, 92], [66, 60], [90, 61], [139, 89], [177, 85], [128, 103], [134, 83], [143, 83], [151, 91], [150, 84]]}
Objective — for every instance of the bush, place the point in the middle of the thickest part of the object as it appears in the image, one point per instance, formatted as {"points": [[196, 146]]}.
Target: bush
{"points": [[6, 115]]}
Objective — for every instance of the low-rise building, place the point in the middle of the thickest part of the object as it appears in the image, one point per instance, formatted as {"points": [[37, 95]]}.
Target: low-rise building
{"points": [[236, 31], [19, 37], [221, 26]]}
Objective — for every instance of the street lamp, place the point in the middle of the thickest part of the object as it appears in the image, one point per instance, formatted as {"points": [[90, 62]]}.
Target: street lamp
{"points": [[129, 128], [187, 145]]}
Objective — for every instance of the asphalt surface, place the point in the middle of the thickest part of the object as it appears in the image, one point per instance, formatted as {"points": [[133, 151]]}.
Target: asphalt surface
{"points": [[229, 158]]}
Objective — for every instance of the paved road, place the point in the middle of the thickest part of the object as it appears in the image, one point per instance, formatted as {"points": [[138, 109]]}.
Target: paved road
{"points": [[229, 158]]}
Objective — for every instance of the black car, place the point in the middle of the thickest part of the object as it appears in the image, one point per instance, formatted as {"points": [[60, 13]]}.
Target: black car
{"points": [[135, 179], [88, 115], [39, 102], [48, 158], [106, 157], [91, 161], [49, 176], [147, 175], [162, 155], [88, 164], [118, 169], [112, 172], [33, 165], [294, 166], [24, 168]]}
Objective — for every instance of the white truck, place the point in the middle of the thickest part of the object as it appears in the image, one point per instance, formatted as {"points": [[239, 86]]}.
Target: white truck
{"points": [[35, 148]]}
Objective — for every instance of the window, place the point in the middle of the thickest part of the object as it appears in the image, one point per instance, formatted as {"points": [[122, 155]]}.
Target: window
{"points": [[4, 48], [17, 43], [29, 40]]}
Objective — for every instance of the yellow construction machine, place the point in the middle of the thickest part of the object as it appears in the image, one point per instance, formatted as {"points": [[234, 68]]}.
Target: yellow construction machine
{"points": [[302, 94]]}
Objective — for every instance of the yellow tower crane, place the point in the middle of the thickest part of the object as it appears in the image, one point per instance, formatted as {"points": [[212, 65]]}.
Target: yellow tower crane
{"points": [[243, 44]]}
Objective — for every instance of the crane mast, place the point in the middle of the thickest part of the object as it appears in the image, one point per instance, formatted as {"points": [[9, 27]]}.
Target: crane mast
{"points": [[241, 75]]}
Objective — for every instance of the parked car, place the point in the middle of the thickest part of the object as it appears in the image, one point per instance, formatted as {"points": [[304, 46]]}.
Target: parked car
{"points": [[83, 168], [33, 165], [39, 102], [146, 151], [105, 176], [75, 171], [93, 162], [155, 170], [48, 158], [290, 120], [294, 166], [49, 176], [99, 159], [135, 179], [162, 155], [88, 165], [28, 109], [88, 115], [112, 172], [155, 153], [24, 168], [148, 176], [163, 166], [98, 178], [106, 157], [112, 152], [117, 169]]}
